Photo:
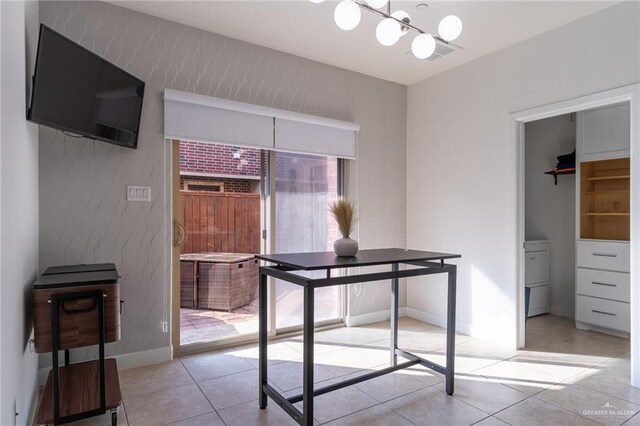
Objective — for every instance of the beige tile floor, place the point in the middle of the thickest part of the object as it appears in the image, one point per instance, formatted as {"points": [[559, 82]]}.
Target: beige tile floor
{"points": [[564, 377]]}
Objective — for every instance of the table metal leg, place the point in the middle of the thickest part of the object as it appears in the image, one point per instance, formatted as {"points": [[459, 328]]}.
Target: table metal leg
{"points": [[394, 316], [307, 359], [451, 331], [262, 338]]}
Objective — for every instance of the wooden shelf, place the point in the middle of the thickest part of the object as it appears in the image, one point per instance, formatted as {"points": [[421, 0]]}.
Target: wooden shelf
{"points": [[604, 199], [607, 191], [597, 178], [556, 173], [80, 390], [607, 214]]}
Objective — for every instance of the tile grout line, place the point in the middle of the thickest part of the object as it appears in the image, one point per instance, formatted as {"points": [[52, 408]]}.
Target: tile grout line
{"points": [[488, 417], [364, 409], [381, 403], [630, 418], [144, 393], [226, 376], [570, 411], [202, 392], [603, 392], [583, 416], [512, 405]]}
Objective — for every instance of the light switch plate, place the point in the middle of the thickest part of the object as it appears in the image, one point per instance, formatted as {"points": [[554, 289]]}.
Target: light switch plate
{"points": [[138, 193]]}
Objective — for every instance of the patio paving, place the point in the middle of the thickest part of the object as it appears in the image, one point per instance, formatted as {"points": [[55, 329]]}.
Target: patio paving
{"points": [[197, 326]]}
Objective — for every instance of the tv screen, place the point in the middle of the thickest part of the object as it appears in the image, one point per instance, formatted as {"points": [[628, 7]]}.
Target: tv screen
{"points": [[77, 91]]}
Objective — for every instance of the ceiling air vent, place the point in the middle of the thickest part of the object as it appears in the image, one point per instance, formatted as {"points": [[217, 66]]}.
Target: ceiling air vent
{"points": [[442, 49]]}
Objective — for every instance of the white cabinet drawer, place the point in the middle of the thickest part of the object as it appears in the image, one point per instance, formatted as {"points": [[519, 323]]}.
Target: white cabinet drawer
{"points": [[603, 313], [604, 284], [612, 256], [535, 269]]}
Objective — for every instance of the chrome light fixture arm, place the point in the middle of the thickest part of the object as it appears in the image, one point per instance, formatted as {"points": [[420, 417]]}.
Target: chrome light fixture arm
{"points": [[402, 23]]}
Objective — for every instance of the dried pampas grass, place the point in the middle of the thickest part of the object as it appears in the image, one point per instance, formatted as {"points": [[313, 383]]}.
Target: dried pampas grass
{"points": [[345, 214]]}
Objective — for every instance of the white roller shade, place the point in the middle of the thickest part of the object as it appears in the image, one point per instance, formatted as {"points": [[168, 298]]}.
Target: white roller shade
{"points": [[207, 119], [208, 124], [296, 136]]}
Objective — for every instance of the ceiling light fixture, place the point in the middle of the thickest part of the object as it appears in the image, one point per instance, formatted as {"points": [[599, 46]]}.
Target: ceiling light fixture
{"points": [[388, 32], [347, 16], [423, 46], [376, 4], [450, 27], [402, 16]]}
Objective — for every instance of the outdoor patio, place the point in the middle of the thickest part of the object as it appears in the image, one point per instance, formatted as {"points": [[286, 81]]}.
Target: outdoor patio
{"points": [[197, 326]]}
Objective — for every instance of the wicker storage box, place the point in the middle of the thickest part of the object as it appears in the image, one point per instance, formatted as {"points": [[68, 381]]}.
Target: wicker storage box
{"points": [[78, 319], [226, 280], [188, 289]]}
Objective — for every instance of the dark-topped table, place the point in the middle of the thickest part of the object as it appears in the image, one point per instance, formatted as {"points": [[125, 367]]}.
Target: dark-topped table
{"points": [[286, 266]]}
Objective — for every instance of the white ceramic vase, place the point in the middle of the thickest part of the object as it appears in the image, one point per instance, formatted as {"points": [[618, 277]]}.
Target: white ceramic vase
{"points": [[345, 247]]}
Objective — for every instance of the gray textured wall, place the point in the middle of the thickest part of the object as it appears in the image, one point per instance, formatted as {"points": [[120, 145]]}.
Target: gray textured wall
{"points": [[84, 215]]}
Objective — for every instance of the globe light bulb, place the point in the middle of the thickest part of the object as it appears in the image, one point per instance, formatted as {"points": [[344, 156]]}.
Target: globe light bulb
{"points": [[388, 32], [423, 46], [316, 1], [347, 15], [403, 16], [377, 4], [450, 27]]}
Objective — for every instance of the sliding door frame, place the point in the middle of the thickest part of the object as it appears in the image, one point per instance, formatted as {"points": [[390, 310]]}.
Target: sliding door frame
{"points": [[268, 245]]}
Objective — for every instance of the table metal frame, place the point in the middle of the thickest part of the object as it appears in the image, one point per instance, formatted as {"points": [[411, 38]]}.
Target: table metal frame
{"points": [[287, 273]]}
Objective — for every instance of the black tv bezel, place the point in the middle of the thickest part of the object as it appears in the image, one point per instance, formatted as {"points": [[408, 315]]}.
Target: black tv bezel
{"points": [[57, 126]]}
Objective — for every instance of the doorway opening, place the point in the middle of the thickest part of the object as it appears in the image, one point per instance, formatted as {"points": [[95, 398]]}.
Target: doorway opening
{"points": [[550, 237], [234, 203], [596, 208], [221, 209]]}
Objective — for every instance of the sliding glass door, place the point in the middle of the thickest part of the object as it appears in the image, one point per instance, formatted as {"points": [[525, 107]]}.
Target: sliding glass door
{"points": [[305, 185], [223, 212]]}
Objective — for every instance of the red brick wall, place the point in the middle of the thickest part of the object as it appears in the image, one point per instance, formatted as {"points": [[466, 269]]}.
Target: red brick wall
{"points": [[218, 159]]}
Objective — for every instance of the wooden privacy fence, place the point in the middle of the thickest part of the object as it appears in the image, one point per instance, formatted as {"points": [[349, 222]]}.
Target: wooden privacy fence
{"points": [[221, 222]]}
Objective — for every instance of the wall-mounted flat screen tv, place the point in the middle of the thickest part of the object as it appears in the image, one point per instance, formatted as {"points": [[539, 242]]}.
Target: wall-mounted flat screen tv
{"points": [[76, 91]]}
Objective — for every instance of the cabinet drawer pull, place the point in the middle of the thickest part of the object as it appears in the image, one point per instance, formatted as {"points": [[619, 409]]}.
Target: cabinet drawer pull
{"points": [[604, 313], [604, 284], [605, 254], [532, 258]]}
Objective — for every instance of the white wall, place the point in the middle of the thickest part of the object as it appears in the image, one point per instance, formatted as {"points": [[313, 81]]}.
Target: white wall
{"points": [[459, 152], [18, 211], [86, 217], [550, 210], [2, 410]]}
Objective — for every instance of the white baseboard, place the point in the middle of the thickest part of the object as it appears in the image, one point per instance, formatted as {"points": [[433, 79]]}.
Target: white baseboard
{"points": [[372, 317], [140, 359], [561, 311], [126, 361], [31, 417], [439, 320]]}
